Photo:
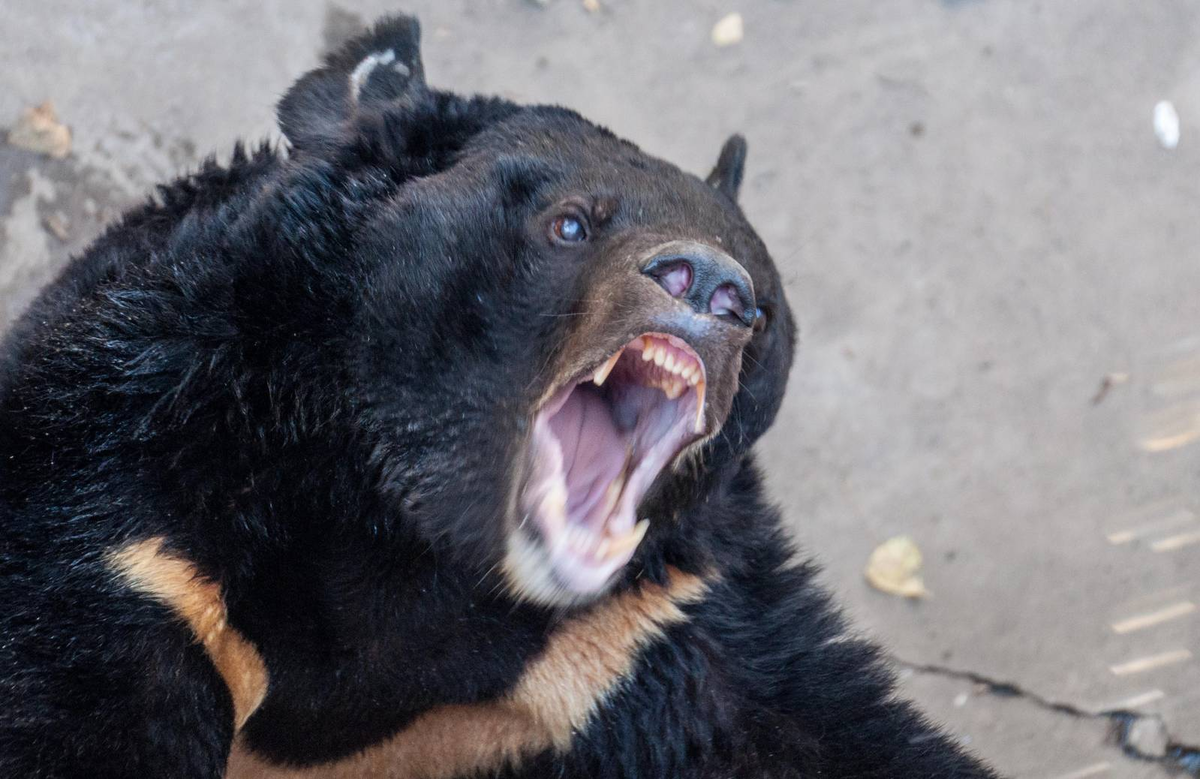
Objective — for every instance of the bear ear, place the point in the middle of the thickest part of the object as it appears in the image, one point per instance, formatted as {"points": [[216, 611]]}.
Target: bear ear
{"points": [[726, 177], [378, 67]]}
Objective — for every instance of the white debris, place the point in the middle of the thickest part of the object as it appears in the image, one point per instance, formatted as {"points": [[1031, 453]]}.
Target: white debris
{"points": [[1166, 124], [728, 31]]}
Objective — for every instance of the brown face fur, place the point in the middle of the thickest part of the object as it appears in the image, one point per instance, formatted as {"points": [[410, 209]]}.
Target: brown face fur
{"points": [[624, 302]]}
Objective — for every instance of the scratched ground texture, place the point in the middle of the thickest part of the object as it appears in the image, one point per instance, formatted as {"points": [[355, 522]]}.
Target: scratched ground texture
{"points": [[993, 261]]}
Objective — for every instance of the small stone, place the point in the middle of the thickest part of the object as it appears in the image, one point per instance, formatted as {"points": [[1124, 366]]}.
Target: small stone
{"points": [[1166, 124], [1148, 737], [39, 130], [728, 31]]}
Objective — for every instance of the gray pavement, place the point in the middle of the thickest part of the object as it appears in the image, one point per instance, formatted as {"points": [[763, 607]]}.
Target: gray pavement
{"points": [[992, 261]]}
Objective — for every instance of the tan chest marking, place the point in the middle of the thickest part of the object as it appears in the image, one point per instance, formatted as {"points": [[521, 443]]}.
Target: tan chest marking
{"points": [[582, 664], [176, 583]]}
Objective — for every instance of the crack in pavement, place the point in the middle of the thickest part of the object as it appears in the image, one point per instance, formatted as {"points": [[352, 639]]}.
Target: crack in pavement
{"points": [[1176, 756]]}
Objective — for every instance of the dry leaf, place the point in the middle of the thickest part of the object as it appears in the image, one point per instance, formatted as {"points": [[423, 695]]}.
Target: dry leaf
{"points": [[728, 31], [39, 130], [895, 568]]}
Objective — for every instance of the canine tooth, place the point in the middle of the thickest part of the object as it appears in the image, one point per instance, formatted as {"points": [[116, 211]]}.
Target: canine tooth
{"points": [[602, 372], [639, 530], [628, 542], [699, 407]]}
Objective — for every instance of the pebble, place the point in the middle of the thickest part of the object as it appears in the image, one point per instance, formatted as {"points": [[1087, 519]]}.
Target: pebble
{"points": [[728, 31], [1166, 124]]}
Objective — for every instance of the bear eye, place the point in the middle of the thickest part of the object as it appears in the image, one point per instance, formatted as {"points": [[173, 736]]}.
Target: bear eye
{"points": [[569, 228]]}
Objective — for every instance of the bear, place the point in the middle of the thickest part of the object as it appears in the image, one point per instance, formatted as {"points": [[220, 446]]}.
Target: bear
{"points": [[420, 444]]}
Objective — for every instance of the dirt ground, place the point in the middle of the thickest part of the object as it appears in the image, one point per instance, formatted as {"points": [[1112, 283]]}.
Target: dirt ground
{"points": [[992, 259]]}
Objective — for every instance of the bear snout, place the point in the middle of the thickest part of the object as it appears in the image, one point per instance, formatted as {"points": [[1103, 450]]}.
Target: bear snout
{"points": [[708, 280]]}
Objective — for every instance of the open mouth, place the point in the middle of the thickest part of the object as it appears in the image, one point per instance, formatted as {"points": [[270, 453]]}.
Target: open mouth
{"points": [[597, 446]]}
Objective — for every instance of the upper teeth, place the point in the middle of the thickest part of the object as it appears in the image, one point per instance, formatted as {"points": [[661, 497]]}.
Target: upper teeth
{"points": [[672, 360]]}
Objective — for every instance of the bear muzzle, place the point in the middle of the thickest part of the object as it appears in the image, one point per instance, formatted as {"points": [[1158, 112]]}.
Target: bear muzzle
{"points": [[648, 374]]}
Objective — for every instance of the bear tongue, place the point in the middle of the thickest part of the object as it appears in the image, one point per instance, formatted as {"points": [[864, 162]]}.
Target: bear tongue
{"points": [[595, 457]]}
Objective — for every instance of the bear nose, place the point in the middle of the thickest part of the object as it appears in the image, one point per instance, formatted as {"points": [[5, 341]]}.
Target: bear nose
{"points": [[708, 280]]}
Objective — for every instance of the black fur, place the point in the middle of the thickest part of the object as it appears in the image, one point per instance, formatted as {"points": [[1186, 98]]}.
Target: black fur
{"points": [[310, 373]]}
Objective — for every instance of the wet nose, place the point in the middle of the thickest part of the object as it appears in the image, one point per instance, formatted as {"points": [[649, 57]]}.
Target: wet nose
{"points": [[708, 280]]}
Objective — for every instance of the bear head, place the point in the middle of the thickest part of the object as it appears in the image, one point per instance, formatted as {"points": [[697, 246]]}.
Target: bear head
{"points": [[557, 342]]}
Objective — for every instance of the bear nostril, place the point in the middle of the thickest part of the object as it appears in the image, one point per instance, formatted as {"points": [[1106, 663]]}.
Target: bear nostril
{"points": [[726, 301], [708, 280], [675, 278]]}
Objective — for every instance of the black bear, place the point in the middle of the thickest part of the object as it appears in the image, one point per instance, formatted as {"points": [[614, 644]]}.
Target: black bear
{"points": [[420, 448]]}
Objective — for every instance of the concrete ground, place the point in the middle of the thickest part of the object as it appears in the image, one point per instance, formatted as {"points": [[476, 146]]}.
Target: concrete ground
{"points": [[992, 260]]}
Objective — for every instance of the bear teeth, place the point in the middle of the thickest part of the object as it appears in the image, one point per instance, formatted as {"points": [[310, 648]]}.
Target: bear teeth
{"points": [[610, 546], [671, 369], [602, 372], [674, 371], [585, 541], [672, 360]]}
